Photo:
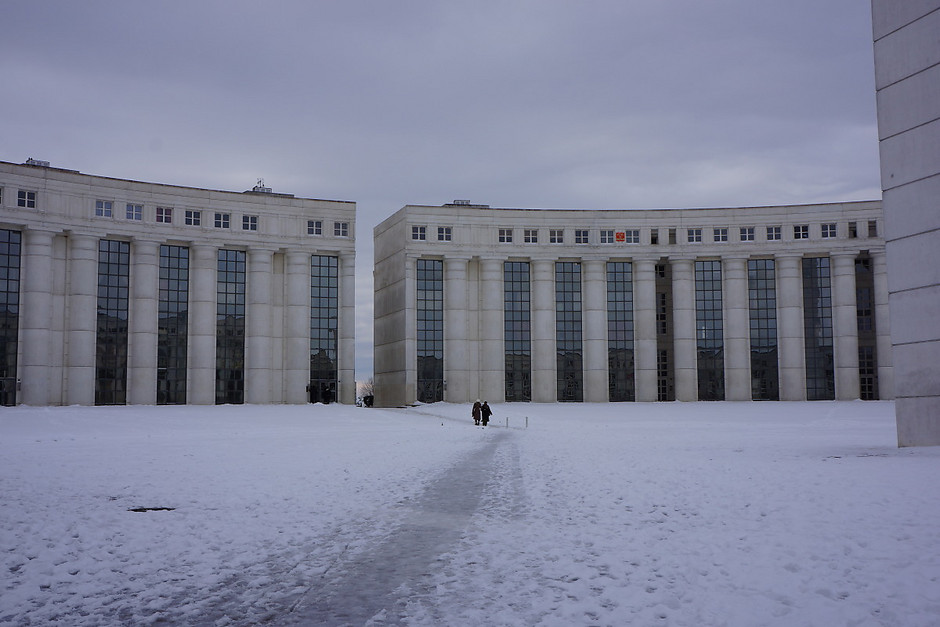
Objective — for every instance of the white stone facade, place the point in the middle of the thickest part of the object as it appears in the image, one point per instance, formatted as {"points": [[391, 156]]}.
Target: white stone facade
{"points": [[907, 79], [58, 220], [670, 284]]}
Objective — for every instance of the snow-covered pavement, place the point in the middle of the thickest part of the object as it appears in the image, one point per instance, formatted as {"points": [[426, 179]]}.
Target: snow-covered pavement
{"points": [[644, 514]]}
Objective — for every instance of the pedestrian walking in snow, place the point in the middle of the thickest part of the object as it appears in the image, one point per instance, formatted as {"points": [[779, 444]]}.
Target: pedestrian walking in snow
{"points": [[485, 413], [475, 412]]}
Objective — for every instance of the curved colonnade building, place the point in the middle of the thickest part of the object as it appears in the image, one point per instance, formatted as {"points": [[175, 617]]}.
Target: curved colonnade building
{"points": [[756, 303], [115, 291]]}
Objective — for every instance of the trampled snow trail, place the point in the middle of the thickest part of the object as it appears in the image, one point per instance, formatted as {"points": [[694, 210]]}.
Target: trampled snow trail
{"points": [[376, 585]]}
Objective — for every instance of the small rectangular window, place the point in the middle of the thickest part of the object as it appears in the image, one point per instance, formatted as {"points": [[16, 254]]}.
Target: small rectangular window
{"points": [[672, 236], [580, 236], [654, 237], [747, 233], [341, 229], [530, 236], [872, 228], [505, 236], [103, 208], [773, 233], [556, 236], [419, 233], [249, 223], [165, 215], [607, 236], [720, 234], [800, 231], [632, 236], [828, 231], [853, 230], [694, 235], [193, 218], [314, 227], [223, 220], [445, 233], [134, 212], [26, 198]]}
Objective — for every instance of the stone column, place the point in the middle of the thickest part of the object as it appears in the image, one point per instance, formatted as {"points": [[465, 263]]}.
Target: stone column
{"points": [[203, 279], [37, 368], [544, 384], [144, 306], [644, 328], [82, 319], [883, 351], [258, 339], [736, 329], [845, 325], [456, 367], [492, 340], [790, 349], [594, 329], [297, 328], [346, 372], [683, 300]]}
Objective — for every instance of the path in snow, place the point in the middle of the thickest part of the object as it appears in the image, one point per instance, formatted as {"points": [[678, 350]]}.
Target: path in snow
{"points": [[376, 586]]}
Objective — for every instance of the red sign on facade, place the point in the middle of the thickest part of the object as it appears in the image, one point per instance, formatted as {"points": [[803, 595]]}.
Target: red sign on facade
{"points": [[621, 236]]}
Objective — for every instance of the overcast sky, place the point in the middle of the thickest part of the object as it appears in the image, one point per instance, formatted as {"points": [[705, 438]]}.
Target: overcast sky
{"points": [[591, 104]]}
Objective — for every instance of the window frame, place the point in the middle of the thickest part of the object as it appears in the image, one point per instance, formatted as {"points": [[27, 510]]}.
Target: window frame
{"points": [[828, 230], [164, 215], [314, 227], [104, 209], [747, 234], [800, 231], [419, 233], [192, 217], [134, 212], [445, 233], [505, 236], [27, 198], [222, 220], [556, 236], [694, 235], [341, 229], [774, 233], [582, 236], [249, 223]]}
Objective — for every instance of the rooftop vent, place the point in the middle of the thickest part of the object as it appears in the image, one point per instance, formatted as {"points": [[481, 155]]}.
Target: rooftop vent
{"points": [[461, 202], [465, 203], [40, 163]]}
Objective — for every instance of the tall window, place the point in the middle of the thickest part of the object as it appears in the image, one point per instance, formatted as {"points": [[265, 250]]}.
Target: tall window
{"points": [[111, 339], [430, 312], [172, 325], [665, 366], [867, 329], [762, 295], [620, 374], [230, 328], [709, 334], [517, 330], [10, 246], [817, 328], [569, 369], [324, 318]]}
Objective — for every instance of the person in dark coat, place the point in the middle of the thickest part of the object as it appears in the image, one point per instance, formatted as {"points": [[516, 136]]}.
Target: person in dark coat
{"points": [[475, 412], [485, 413]]}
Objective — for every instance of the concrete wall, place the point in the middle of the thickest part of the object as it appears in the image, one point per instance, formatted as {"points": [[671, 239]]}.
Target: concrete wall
{"points": [[907, 76]]}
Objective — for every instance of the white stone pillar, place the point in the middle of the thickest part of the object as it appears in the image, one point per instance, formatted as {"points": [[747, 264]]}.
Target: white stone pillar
{"points": [[736, 329], [346, 368], [492, 338], [37, 368], [144, 305], [686, 354], [297, 328], [544, 360], [883, 351], [203, 275], [644, 329], [845, 325], [790, 349], [258, 325], [456, 367], [82, 319], [594, 330]]}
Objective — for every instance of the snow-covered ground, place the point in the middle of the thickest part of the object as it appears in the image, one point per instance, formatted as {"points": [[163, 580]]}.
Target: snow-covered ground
{"points": [[645, 514]]}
